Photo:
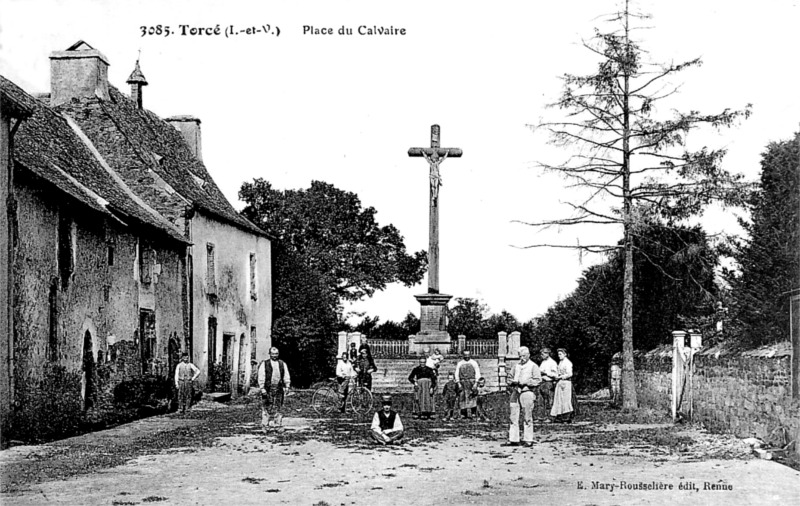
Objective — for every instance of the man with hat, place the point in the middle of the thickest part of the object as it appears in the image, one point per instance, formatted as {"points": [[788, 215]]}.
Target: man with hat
{"points": [[386, 425]]}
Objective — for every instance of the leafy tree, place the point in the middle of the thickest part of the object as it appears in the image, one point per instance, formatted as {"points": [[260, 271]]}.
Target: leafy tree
{"points": [[770, 258], [410, 324], [388, 329], [467, 318], [502, 322], [367, 325], [328, 249], [629, 163], [334, 236], [306, 315], [674, 281]]}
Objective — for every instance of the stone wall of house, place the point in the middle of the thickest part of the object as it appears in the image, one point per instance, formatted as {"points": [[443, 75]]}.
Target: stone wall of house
{"points": [[242, 312], [5, 319], [747, 393], [93, 306]]}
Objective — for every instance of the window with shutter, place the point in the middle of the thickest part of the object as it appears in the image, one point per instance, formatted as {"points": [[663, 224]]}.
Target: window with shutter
{"points": [[211, 278]]}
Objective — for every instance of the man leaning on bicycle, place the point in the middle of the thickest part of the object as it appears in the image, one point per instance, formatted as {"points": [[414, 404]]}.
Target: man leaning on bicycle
{"points": [[345, 375]]}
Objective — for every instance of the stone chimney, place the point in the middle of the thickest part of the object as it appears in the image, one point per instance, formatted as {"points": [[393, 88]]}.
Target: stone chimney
{"points": [[189, 127], [79, 72], [137, 80]]}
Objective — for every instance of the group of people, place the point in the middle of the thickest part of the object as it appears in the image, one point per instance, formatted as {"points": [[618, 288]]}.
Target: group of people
{"points": [[274, 382], [463, 392], [548, 383], [553, 384], [354, 367]]}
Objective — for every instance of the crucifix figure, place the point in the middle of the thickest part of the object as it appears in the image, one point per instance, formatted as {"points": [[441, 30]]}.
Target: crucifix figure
{"points": [[434, 155]]}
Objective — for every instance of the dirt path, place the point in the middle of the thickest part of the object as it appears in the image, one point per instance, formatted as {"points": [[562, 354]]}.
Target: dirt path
{"points": [[228, 461]]}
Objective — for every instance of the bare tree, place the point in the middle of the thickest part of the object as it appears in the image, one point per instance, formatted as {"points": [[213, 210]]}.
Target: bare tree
{"points": [[610, 123]]}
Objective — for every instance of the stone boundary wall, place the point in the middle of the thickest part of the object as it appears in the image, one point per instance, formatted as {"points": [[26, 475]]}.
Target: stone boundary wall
{"points": [[744, 393]]}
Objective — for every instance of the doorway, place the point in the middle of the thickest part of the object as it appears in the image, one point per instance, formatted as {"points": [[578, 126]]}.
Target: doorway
{"points": [[212, 343], [227, 359], [87, 380]]}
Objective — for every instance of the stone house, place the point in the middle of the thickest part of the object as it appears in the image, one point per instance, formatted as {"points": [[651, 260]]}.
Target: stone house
{"points": [[72, 262], [228, 280], [119, 251]]}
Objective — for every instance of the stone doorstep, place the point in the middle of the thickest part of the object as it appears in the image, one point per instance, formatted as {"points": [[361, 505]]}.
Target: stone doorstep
{"points": [[218, 396], [769, 454]]}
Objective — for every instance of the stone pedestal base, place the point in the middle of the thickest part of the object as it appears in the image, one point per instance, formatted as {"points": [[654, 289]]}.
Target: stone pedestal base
{"points": [[433, 323]]}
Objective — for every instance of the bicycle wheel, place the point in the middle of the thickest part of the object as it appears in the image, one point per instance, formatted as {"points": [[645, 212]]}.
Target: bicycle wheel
{"points": [[325, 400], [361, 400]]}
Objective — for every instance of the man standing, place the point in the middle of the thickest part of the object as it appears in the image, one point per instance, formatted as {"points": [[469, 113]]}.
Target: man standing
{"points": [[525, 381], [467, 375], [274, 381], [185, 374], [365, 346], [386, 426], [549, 370], [345, 375], [353, 352], [364, 368]]}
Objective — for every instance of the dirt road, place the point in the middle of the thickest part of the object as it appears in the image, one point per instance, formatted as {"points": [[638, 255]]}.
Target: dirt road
{"points": [[218, 456]]}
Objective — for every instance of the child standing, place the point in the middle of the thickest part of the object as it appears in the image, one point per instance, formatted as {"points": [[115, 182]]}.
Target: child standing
{"points": [[483, 393], [450, 394]]}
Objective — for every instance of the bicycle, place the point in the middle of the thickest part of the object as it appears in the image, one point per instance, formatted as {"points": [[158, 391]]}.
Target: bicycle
{"points": [[327, 398]]}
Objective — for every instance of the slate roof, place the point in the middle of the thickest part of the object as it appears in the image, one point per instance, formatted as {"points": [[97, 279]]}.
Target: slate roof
{"points": [[153, 158], [48, 146]]}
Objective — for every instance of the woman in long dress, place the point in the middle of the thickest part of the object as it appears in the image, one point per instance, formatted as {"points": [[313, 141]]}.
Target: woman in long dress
{"points": [[424, 380], [564, 405]]}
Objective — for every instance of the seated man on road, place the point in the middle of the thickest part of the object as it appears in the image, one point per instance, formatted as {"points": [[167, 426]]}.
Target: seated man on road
{"points": [[386, 425], [345, 375]]}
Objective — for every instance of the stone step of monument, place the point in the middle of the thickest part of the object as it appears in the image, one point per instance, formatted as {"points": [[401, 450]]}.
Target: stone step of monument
{"points": [[392, 374]]}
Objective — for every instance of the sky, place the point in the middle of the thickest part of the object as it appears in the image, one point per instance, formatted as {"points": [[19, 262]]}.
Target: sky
{"points": [[293, 107]]}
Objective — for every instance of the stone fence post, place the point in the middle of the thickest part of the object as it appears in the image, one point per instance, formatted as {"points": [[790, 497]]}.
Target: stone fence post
{"points": [[502, 349], [678, 343], [462, 343], [411, 340], [502, 344], [513, 344], [342, 344]]}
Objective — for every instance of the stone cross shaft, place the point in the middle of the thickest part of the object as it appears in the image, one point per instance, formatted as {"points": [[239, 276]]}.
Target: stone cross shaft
{"points": [[434, 155]]}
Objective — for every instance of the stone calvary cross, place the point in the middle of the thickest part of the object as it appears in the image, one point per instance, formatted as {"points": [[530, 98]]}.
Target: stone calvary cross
{"points": [[433, 317], [434, 155]]}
